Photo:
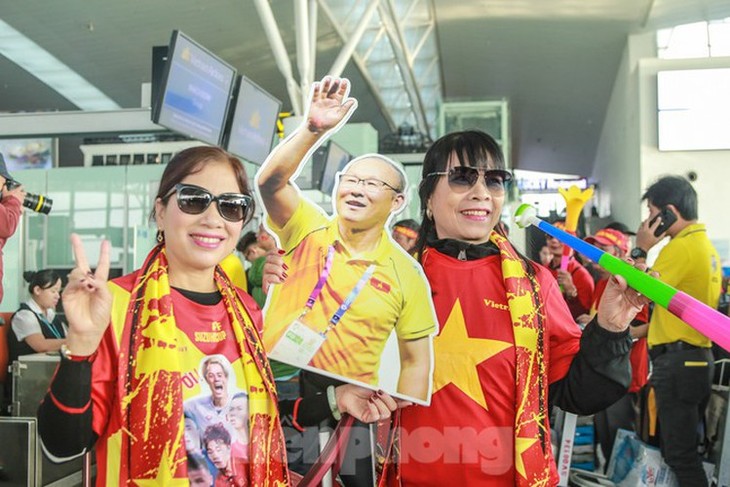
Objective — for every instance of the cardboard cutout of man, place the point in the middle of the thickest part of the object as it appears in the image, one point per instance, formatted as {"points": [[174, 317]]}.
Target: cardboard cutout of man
{"points": [[349, 285]]}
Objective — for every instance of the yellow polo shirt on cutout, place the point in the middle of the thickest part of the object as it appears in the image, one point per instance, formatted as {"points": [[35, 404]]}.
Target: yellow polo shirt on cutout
{"points": [[396, 297], [691, 264]]}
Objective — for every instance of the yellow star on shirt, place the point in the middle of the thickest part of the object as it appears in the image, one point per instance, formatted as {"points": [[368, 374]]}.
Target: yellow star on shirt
{"points": [[457, 356], [164, 476]]}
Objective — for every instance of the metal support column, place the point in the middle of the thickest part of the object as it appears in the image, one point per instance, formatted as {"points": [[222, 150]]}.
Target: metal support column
{"points": [[280, 55], [346, 53]]}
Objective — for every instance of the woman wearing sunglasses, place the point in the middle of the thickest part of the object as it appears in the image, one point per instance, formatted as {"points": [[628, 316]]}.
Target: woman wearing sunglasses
{"points": [[507, 341], [133, 348], [130, 367]]}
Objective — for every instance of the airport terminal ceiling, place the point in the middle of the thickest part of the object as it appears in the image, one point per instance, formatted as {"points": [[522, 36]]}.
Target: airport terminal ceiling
{"points": [[554, 60]]}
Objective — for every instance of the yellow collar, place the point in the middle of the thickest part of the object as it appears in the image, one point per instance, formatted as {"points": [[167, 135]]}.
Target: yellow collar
{"points": [[376, 255], [691, 228]]}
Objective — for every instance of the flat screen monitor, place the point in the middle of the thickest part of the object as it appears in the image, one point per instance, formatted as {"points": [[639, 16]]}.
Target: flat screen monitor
{"points": [[253, 124], [336, 160], [310, 176], [22, 154], [195, 91]]}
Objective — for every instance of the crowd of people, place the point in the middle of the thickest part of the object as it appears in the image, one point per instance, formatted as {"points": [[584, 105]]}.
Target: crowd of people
{"points": [[166, 372]]}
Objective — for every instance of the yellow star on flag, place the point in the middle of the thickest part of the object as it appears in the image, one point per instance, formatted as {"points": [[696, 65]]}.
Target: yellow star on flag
{"points": [[523, 444], [164, 476], [459, 354]]}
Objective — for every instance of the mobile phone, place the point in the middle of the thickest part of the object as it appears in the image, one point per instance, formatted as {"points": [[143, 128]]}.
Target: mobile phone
{"points": [[668, 218]]}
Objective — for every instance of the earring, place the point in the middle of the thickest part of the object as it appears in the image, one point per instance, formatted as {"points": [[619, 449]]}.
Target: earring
{"points": [[160, 236], [429, 214]]}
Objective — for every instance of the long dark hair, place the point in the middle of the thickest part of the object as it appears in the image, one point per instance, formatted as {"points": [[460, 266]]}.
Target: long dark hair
{"points": [[472, 148], [43, 279]]}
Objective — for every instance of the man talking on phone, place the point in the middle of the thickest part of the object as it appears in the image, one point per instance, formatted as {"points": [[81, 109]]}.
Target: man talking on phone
{"points": [[681, 357]]}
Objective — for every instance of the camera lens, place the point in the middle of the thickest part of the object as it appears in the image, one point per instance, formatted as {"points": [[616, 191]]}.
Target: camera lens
{"points": [[35, 202], [38, 203]]}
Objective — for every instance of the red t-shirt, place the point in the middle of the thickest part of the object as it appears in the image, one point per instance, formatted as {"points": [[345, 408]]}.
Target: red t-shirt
{"points": [[209, 331], [466, 436]]}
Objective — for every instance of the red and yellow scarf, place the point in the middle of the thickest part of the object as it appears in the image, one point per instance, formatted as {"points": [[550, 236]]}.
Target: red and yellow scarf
{"points": [[533, 458], [151, 439], [532, 430]]}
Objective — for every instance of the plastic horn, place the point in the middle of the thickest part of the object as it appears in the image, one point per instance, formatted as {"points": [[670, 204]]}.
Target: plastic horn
{"points": [[575, 200], [698, 315]]}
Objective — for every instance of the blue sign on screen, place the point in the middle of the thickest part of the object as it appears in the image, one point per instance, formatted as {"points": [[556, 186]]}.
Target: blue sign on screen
{"points": [[197, 92]]}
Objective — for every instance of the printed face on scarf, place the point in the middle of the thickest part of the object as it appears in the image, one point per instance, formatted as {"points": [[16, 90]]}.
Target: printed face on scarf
{"points": [[200, 477], [217, 379], [219, 453], [192, 436], [238, 413]]}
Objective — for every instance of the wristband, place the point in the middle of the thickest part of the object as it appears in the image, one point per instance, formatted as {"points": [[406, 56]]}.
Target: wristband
{"points": [[332, 400], [69, 355]]}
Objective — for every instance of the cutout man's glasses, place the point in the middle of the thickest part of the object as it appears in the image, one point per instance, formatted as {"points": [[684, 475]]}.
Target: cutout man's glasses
{"points": [[371, 185]]}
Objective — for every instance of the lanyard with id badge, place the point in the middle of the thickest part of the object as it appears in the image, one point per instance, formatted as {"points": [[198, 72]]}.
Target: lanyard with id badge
{"points": [[299, 343], [43, 320]]}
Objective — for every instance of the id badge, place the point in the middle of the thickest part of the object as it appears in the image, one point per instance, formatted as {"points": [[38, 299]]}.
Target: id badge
{"points": [[298, 345]]}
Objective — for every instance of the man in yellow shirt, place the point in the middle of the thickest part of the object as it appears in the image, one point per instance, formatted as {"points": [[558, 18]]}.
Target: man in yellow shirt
{"points": [[681, 357], [349, 285]]}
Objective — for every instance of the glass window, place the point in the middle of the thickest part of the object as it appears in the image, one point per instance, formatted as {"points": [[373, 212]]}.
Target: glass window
{"points": [[693, 109], [719, 33], [696, 40]]}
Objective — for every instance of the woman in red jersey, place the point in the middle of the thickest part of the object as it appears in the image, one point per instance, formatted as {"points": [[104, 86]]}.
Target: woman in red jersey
{"points": [[507, 347]]}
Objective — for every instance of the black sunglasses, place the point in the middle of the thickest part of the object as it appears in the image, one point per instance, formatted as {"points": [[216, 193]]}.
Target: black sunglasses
{"points": [[194, 200], [461, 178]]}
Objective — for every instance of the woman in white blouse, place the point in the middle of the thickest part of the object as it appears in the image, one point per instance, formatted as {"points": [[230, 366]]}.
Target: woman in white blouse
{"points": [[35, 326]]}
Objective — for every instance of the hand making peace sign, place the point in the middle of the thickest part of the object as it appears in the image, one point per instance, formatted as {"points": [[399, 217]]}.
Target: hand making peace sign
{"points": [[87, 301]]}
